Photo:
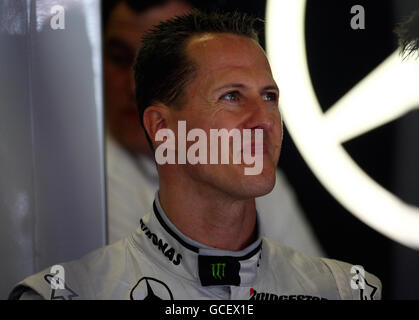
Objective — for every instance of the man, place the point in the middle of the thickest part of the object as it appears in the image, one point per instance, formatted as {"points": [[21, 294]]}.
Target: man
{"points": [[132, 178], [202, 240]]}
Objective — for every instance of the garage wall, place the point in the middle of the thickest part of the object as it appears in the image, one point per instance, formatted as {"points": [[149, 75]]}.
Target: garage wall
{"points": [[52, 192]]}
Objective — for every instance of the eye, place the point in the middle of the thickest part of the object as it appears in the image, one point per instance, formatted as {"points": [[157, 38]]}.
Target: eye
{"points": [[270, 96], [231, 96]]}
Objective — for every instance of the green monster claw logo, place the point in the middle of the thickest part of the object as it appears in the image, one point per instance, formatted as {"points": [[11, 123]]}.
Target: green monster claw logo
{"points": [[218, 270]]}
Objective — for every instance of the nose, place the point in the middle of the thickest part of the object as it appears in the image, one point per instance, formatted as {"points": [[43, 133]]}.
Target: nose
{"points": [[260, 115]]}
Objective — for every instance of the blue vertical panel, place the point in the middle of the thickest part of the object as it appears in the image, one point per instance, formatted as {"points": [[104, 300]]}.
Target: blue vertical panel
{"points": [[52, 193], [16, 165], [67, 130]]}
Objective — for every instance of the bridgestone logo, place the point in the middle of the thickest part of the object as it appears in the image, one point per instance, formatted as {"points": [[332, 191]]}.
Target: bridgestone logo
{"points": [[271, 296]]}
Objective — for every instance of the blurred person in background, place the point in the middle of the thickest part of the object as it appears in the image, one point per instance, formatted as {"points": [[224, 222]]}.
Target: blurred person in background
{"points": [[132, 178]]}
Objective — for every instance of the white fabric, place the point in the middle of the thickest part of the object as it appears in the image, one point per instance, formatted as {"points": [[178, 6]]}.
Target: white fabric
{"points": [[158, 262], [133, 181]]}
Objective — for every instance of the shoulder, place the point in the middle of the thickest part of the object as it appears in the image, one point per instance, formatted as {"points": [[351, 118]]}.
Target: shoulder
{"points": [[332, 278], [353, 281], [78, 279]]}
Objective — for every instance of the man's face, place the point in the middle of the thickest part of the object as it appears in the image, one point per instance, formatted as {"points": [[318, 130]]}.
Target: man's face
{"points": [[122, 36], [233, 88]]}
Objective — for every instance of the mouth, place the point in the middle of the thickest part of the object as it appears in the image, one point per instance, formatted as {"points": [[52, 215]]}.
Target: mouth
{"points": [[260, 148]]}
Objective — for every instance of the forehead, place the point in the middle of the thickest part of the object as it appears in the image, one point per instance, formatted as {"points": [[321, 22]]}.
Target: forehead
{"points": [[128, 25], [225, 53]]}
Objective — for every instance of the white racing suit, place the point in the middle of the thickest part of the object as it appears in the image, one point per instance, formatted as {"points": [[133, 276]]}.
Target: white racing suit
{"points": [[158, 262]]}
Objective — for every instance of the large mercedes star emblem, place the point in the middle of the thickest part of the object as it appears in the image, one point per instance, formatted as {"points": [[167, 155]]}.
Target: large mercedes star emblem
{"points": [[319, 135]]}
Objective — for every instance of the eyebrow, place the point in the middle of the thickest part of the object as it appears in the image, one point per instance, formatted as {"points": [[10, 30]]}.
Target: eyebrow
{"points": [[242, 86]]}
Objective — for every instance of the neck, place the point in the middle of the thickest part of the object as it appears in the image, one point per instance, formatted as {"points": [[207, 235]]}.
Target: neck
{"points": [[209, 216]]}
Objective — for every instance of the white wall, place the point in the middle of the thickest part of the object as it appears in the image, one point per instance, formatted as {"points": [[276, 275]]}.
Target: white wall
{"points": [[52, 193]]}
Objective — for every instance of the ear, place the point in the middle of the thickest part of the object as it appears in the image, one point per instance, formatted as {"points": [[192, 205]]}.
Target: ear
{"points": [[155, 118]]}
